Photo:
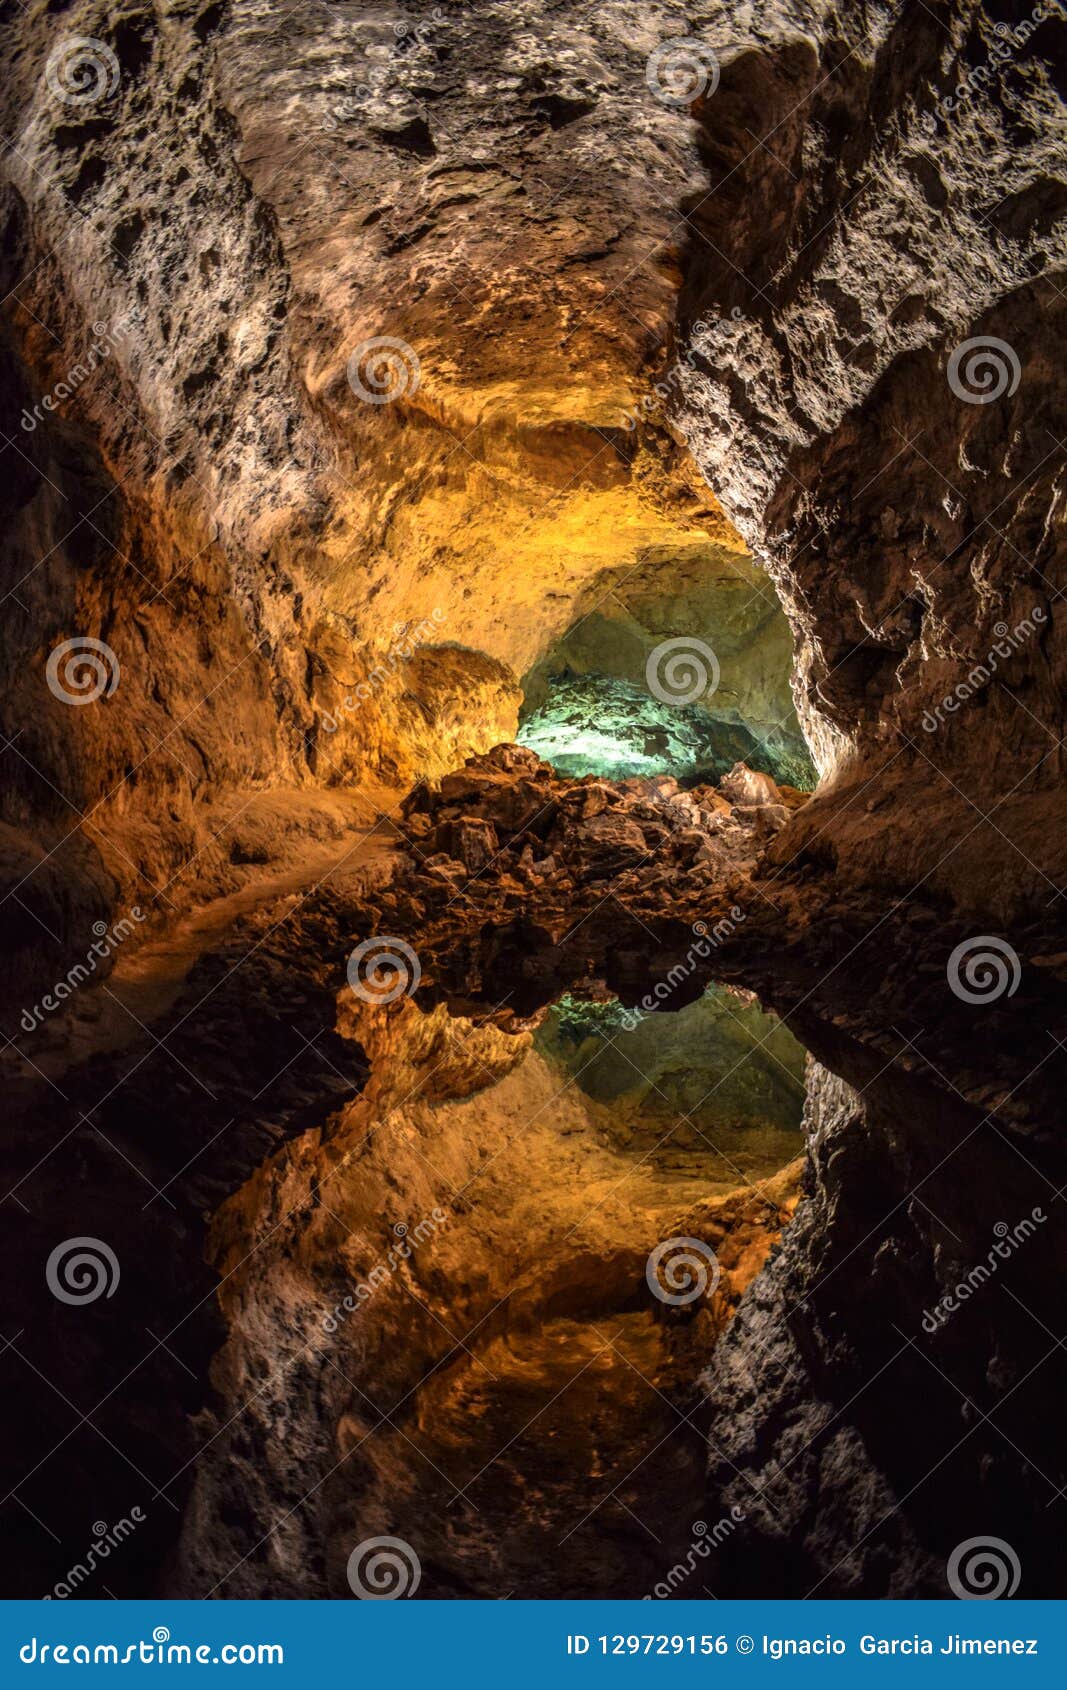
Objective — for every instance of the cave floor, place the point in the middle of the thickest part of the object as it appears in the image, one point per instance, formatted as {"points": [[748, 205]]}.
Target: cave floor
{"points": [[147, 980]]}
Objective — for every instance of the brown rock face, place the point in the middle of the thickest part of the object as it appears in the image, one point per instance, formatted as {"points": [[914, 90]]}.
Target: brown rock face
{"points": [[364, 378]]}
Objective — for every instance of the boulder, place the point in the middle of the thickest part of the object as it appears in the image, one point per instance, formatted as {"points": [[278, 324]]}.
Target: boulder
{"points": [[747, 786], [474, 841]]}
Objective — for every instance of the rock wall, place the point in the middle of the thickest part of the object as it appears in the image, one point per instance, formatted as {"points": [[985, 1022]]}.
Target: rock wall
{"points": [[904, 484]]}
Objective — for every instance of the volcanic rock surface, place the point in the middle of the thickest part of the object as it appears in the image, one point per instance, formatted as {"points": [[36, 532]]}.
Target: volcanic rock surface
{"points": [[646, 343]]}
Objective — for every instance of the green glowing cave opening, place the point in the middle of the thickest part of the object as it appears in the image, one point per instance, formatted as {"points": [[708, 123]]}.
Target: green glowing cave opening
{"points": [[600, 725], [600, 701]]}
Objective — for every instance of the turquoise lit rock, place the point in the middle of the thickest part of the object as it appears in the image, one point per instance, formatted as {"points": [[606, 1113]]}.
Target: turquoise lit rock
{"points": [[600, 725]]}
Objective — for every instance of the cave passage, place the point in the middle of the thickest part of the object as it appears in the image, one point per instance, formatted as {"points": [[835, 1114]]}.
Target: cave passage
{"points": [[686, 684]]}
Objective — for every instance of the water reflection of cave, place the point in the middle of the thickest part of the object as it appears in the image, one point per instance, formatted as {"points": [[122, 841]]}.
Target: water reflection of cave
{"points": [[719, 1083], [570, 1421], [598, 702]]}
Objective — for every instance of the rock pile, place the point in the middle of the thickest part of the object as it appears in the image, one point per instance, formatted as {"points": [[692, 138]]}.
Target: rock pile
{"points": [[506, 825]]}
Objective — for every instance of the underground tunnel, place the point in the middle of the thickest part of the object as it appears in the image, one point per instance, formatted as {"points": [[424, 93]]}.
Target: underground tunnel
{"points": [[532, 824]]}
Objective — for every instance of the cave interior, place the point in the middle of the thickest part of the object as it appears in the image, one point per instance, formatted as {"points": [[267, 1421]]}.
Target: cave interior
{"points": [[532, 850]]}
